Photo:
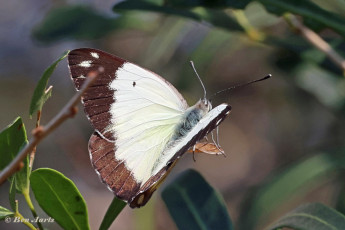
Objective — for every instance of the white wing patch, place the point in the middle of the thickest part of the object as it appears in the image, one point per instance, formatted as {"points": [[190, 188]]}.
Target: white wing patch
{"points": [[85, 64], [81, 77], [143, 117], [94, 54]]}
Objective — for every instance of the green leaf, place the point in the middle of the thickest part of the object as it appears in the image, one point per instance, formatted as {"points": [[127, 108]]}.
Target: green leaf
{"points": [[340, 202], [73, 22], [22, 177], [41, 94], [238, 4], [152, 7], [59, 198], [12, 194], [312, 216], [4, 212], [113, 211], [12, 140], [215, 17], [284, 186], [145, 217], [194, 204], [314, 16], [80, 22], [218, 18]]}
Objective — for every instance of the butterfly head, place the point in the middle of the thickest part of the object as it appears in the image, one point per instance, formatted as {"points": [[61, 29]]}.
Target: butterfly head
{"points": [[204, 105]]}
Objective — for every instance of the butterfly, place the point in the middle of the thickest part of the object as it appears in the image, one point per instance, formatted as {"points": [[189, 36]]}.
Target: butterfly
{"points": [[142, 124]]}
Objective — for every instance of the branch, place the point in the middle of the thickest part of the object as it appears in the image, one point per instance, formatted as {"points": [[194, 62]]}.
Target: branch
{"points": [[41, 132], [316, 41]]}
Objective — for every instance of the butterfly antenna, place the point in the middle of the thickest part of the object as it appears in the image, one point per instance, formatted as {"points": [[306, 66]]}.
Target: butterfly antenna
{"points": [[243, 84], [202, 84]]}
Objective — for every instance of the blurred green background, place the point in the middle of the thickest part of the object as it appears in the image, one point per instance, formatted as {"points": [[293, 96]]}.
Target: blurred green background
{"points": [[284, 139]]}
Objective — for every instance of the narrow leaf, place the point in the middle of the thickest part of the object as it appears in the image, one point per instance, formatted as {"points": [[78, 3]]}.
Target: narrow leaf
{"points": [[238, 4], [312, 216], [113, 211], [340, 201], [315, 16], [78, 22], [59, 198], [81, 22], [194, 204], [215, 17], [218, 18], [40, 95], [4, 212], [151, 7], [283, 187]]}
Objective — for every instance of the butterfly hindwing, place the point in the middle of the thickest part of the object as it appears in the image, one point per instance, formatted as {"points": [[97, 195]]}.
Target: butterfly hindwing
{"points": [[111, 171]]}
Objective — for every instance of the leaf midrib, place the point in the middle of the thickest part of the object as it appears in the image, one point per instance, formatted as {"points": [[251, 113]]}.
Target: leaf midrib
{"points": [[313, 217], [194, 211], [62, 204]]}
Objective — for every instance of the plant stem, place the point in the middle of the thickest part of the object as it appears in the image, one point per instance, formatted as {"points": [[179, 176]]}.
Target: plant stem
{"points": [[314, 39], [26, 194], [24, 221], [33, 152]]}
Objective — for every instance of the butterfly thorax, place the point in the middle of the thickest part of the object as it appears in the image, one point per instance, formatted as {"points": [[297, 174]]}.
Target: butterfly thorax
{"points": [[191, 117]]}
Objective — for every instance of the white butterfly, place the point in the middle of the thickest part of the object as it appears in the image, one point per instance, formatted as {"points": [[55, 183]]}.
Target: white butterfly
{"points": [[142, 123]]}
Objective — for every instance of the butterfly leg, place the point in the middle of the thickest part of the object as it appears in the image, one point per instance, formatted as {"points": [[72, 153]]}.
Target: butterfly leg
{"points": [[217, 145], [194, 153], [217, 138]]}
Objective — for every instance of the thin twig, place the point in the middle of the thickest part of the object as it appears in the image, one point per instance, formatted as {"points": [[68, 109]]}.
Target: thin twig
{"points": [[33, 152], [41, 132], [26, 194], [24, 221], [316, 41], [39, 113]]}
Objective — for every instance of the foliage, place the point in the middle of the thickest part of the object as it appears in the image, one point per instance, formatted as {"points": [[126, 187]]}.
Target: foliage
{"points": [[41, 93], [194, 204], [59, 198], [191, 201], [113, 211], [312, 216]]}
